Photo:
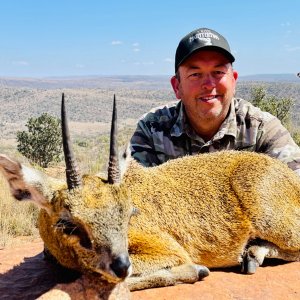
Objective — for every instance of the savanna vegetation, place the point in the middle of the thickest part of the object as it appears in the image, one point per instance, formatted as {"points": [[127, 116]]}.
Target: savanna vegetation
{"points": [[41, 142], [92, 157], [89, 113], [280, 107]]}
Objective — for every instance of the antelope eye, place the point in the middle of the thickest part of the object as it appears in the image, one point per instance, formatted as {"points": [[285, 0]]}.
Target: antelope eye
{"points": [[66, 226], [70, 228]]}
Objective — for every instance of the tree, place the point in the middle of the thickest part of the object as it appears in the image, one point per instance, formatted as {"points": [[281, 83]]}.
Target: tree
{"points": [[278, 107], [41, 144]]}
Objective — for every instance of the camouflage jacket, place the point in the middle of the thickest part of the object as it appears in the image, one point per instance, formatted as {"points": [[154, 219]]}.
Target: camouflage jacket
{"points": [[164, 134]]}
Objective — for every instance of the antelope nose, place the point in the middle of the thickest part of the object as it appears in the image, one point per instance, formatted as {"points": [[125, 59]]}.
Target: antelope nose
{"points": [[121, 265]]}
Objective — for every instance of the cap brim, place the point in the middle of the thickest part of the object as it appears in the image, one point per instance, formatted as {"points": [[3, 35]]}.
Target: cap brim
{"points": [[227, 54]]}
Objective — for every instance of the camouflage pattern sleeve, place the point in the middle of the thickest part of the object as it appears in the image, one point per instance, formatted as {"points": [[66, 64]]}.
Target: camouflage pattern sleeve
{"points": [[141, 146], [277, 142]]}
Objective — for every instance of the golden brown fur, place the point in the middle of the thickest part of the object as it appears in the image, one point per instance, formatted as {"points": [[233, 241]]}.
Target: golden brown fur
{"points": [[217, 210], [212, 204]]}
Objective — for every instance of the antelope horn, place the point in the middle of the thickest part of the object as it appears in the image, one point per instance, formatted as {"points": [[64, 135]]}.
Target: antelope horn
{"points": [[113, 164], [72, 173]]}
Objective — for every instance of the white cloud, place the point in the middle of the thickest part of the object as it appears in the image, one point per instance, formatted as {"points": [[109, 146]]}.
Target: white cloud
{"points": [[20, 63], [290, 48], [80, 66], [144, 63], [136, 47], [169, 60], [114, 43], [285, 24]]}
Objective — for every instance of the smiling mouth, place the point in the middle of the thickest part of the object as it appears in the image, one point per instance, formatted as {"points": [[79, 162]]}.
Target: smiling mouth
{"points": [[208, 98]]}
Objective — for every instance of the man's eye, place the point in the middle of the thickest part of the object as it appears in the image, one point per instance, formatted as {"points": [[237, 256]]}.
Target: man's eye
{"points": [[219, 73], [195, 76]]}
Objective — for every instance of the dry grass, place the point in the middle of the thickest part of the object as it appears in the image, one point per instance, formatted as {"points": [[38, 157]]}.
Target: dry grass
{"points": [[89, 110], [16, 219], [19, 219]]}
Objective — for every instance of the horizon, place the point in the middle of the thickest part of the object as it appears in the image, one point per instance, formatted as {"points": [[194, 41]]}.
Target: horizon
{"points": [[132, 75], [65, 38]]}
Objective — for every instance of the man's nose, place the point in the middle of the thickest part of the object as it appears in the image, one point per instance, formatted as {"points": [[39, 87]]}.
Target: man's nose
{"points": [[208, 81]]}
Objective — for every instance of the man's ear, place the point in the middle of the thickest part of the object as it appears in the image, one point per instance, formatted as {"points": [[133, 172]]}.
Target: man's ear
{"points": [[175, 85], [235, 77], [235, 74], [20, 189]]}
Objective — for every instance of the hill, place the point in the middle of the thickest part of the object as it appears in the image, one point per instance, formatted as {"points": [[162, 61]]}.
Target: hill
{"points": [[89, 99], [104, 82], [128, 82], [271, 78]]}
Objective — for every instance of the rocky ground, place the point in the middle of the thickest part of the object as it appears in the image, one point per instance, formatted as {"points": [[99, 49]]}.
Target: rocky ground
{"points": [[25, 275]]}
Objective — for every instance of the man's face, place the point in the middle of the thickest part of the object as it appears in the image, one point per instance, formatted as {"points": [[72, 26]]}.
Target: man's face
{"points": [[206, 85]]}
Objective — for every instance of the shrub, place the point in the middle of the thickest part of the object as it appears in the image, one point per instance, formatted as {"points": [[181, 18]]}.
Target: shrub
{"points": [[41, 143], [278, 107]]}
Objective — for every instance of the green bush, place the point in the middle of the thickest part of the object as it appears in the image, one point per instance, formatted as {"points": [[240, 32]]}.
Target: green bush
{"points": [[278, 107], [41, 143]]}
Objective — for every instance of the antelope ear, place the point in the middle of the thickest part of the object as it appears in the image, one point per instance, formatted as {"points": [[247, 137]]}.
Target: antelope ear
{"points": [[14, 174]]}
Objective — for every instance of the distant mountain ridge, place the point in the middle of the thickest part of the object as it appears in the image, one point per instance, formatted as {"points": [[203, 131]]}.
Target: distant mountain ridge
{"points": [[271, 78], [136, 82], [107, 82], [90, 99]]}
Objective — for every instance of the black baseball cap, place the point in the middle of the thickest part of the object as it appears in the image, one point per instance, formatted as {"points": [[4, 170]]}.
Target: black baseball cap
{"points": [[202, 38]]}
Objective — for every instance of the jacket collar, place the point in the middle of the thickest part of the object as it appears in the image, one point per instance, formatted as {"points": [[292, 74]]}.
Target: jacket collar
{"points": [[228, 127]]}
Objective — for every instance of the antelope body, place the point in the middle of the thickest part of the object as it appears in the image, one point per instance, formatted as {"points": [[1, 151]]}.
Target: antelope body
{"points": [[209, 210]]}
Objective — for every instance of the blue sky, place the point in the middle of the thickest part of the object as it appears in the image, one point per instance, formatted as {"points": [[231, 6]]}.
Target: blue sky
{"points": [[40, 38]]}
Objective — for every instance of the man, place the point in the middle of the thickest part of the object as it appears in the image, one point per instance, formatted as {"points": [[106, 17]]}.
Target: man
{"points": [[208, 117]]}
